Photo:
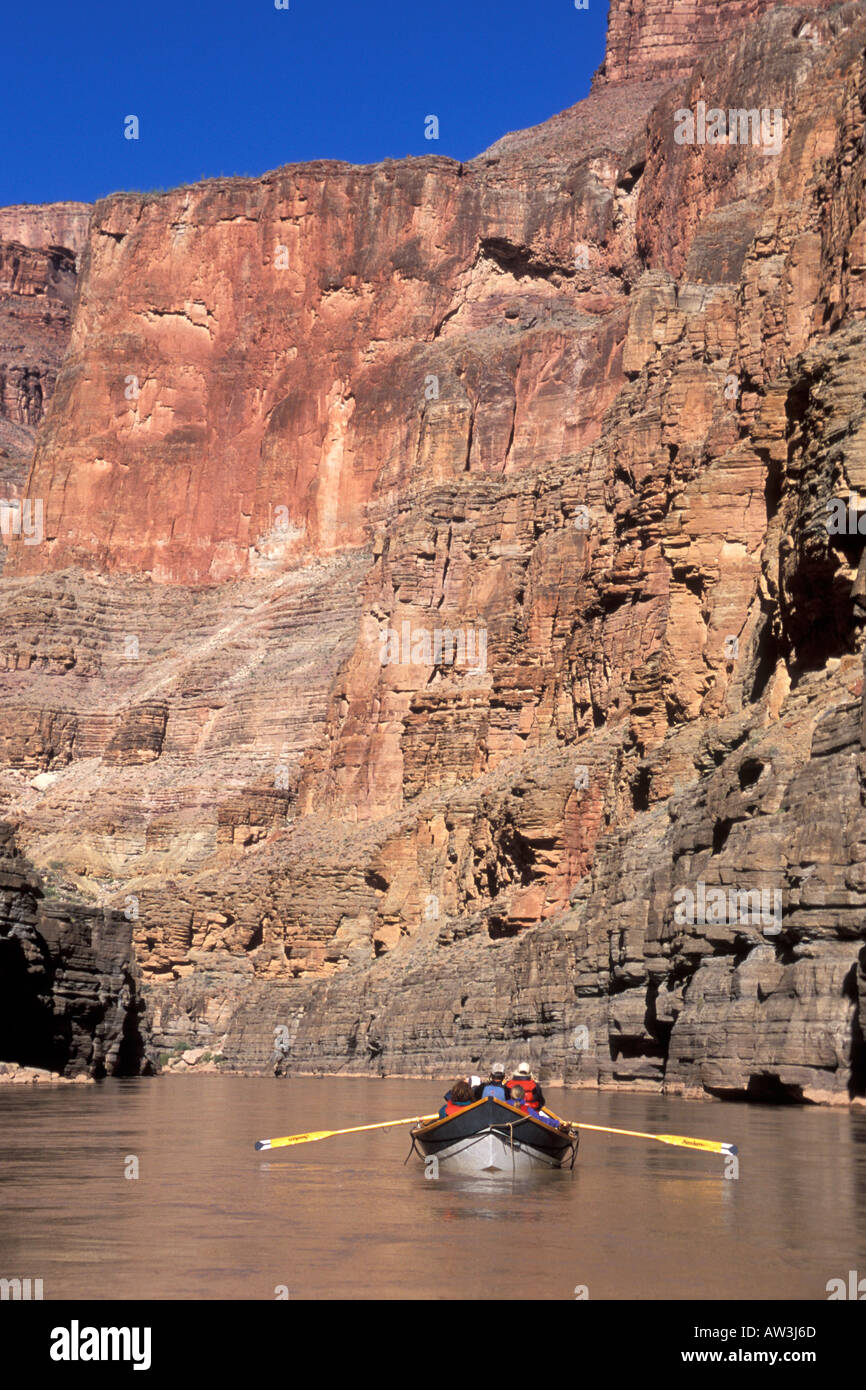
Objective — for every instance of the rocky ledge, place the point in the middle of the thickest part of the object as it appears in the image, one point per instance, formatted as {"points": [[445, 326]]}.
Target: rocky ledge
{"points": [[11, 1074], [447, 632]]}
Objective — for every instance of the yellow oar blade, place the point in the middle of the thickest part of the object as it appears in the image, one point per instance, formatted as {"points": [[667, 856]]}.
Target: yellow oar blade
{"points": [[710, 1146], [315, 1134], [294, 1139]]}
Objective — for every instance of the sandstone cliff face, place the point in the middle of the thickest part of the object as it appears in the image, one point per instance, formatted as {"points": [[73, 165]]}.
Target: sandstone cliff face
{"points": [[583, 402], [39, 247], [38, 226], [664, 39]]}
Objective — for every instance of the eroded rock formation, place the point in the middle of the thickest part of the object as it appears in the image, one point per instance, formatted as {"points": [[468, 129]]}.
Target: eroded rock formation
{"points": [[39, 247], [70, 989], [590, 396]]}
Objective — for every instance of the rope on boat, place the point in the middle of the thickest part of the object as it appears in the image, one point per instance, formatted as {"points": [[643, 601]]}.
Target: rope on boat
{"points": [[476, 1139]]}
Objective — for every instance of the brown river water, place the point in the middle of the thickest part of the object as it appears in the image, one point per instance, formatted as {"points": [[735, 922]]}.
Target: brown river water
{"points": [[209, 1218]]}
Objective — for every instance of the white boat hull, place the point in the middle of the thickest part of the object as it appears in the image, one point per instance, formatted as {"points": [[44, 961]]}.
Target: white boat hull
{"points": [[489, 1152]]}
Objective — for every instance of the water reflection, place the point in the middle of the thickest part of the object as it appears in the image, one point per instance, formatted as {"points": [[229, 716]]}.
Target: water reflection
{"points": [[344, 1218]]}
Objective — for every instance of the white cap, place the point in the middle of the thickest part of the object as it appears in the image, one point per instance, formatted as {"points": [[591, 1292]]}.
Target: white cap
{"points": [[497, 1070], [523, 1070]]}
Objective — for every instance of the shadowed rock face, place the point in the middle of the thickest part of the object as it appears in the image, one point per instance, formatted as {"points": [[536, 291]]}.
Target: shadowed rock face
{"points": [[69, 985], [582, 403]]}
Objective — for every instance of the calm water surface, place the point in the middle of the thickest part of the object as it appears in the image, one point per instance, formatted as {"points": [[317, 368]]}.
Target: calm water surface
{"points": [[210, 1218]]}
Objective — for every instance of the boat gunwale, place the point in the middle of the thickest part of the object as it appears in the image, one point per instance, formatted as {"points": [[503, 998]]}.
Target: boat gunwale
{"points": [[422, 1131]]}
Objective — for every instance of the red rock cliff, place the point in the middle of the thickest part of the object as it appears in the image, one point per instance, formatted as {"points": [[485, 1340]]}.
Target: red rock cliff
{"points": [[664, 39], [39, 247], [590, 395]]}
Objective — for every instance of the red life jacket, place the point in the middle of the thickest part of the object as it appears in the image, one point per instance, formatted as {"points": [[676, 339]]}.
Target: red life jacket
{"points": [[452, 1108], [529, 1096]]}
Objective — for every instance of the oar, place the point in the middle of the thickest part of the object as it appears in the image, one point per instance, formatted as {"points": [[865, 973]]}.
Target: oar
{"points": [[712, 1146], [329, 1133]]}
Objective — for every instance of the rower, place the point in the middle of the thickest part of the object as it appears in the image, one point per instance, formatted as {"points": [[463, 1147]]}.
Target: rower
{"points": [[532, 1092], [494, 1086]]}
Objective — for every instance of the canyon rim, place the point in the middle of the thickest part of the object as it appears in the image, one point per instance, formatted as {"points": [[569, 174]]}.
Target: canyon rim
{"points": [[594, 394]]}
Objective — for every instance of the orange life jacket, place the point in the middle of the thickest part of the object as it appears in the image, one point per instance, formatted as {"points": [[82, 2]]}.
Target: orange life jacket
{"points": [[452, 1108], [529, 1096]]}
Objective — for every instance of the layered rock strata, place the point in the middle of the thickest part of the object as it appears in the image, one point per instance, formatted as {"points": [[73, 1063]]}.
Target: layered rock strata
{"points": [[583, 405], [39, 251]]}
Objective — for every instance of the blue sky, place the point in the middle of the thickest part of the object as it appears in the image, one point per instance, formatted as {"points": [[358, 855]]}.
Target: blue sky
{"points": [[238, 87]]}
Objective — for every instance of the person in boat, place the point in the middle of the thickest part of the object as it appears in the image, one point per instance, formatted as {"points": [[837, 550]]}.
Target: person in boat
{"points": [[532, 1092], [517, 1096], [473, 1082], [494, 1086], [457, 1099]]}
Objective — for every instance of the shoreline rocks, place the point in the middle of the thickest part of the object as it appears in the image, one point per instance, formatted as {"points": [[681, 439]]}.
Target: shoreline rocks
{"points": [[13, 1074]]}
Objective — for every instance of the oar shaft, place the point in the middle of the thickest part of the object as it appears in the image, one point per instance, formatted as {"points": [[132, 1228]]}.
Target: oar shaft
{"points": [[709, 1146], [603, 1129], [313, 1135], [681, 1140]]}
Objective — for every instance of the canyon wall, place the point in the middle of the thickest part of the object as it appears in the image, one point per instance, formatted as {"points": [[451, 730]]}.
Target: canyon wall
{"points": [[581, 405], [664, 39], [39, 251], [69, 983]]}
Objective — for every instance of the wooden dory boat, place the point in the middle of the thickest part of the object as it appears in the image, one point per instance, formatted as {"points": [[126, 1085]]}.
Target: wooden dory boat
{"points": [[493, 1136]]}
